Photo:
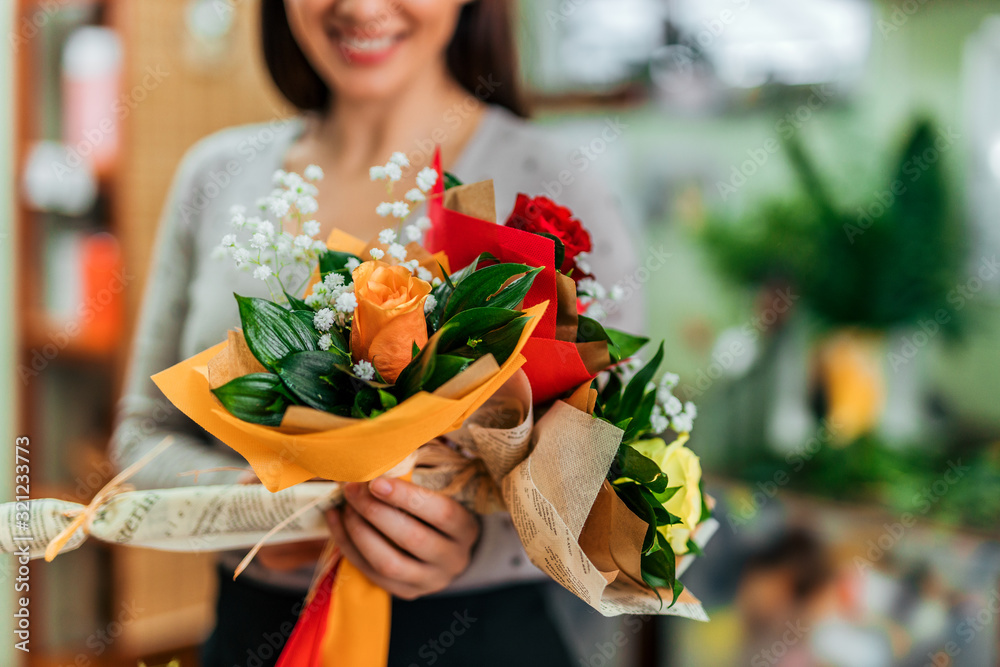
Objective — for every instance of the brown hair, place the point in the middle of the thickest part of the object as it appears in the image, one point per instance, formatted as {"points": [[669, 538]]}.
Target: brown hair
{"points": [[481, 56]]}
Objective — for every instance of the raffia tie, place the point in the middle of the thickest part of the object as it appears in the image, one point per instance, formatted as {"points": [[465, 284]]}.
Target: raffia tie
{"points": [[84, 517]]}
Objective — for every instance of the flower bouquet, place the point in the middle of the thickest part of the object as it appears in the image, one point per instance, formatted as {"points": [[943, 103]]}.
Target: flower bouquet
{"points": [[378, 357]]}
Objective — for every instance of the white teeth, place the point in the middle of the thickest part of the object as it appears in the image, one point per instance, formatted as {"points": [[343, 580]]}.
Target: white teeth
{"points": [[368, 44]]}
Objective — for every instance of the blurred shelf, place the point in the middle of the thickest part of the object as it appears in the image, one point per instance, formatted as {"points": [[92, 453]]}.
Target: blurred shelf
{"points": [[39, 330]]}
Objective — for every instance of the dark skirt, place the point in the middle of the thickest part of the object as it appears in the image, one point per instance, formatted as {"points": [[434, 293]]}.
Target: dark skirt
{"points": [[502, 627]]}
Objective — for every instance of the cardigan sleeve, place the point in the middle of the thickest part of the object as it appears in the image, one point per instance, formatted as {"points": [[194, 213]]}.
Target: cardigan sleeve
{"points": [[145, 416]]}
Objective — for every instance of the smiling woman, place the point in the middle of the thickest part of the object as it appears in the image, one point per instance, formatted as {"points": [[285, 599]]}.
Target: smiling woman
{"points": [[369, 77], [402, 37]]}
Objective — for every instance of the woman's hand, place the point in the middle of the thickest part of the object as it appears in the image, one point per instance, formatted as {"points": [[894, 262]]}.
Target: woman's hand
{"points": [[409, 540]]}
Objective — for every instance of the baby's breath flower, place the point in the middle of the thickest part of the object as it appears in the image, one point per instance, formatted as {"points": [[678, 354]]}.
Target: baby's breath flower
{"points": [[319, 246], [691, 409], [397, 251], [414, 195], [279, 177], [262, 272], [262, 203], [411, 265], [352, 263], [278, 206], [364, 370], [591, 287], [400, 209], [310, 227], [266, 227], [313, 173], [423, 273], [682, 423], [671, 404], [325, 342], [241, 256], [658, 421], [430, 303], [307, 205], [315, 299], [376, 173], [384, 209], [387, 236], [617, 293], [582, 263], [437, 281], [346, 302], [228, 241], [238, 221], [258, 241], [393, 172], [669, 380], [377, 253], [426, 178], [596, 311], [399, 159], [333, 281], [323, 319], [303, 241], [423, 223], [413, 232]]}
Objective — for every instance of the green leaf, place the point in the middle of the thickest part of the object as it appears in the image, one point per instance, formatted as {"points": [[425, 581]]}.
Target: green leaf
{"points": [[659, 568], [483, 288], [626, 344], [272, 332], [296, 303], [639, 468], [446, 366], [706, 513], [450, 180], [335, 261], [631, 494], [499, 342], [473, 323], [560, 257], [316, 379], [258, 398], [370, 402], [640, 422], [693, 548], [636, 388]]}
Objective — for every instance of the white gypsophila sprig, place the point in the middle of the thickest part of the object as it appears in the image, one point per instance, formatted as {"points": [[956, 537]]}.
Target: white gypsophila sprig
{"points": [[668, 409], [281, 243], [364, 370], [426, 179]]}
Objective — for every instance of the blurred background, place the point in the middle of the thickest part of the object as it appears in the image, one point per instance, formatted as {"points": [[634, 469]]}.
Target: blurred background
{"points": [[824, 178]]}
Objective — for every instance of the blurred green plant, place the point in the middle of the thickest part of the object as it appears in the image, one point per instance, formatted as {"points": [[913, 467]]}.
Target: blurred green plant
{"points": [[887, 262]]}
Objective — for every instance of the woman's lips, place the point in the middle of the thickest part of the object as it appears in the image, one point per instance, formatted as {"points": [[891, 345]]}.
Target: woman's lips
{"points": [[368, 50]]}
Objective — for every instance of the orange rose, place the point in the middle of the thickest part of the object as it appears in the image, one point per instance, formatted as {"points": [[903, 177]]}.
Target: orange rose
{"points": [[389, 317]]}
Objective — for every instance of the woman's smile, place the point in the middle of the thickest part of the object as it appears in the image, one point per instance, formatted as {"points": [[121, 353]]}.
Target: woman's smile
{"points": [[360, 49]]}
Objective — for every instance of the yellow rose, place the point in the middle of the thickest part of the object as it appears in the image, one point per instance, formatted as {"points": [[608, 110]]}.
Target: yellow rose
{"points": [[389, 317], [682, 469]]}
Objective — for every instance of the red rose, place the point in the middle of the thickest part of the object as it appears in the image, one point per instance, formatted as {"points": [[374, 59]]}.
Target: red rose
{"points": [[541, 215]]}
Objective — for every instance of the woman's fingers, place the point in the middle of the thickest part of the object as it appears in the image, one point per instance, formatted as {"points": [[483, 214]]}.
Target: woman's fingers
{"points": [[290, 556], [434, 509], [352, 552], [409, 534]]}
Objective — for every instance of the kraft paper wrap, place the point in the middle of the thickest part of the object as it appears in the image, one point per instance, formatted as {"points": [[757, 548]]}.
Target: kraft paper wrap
{"points": [[551, 476]]}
